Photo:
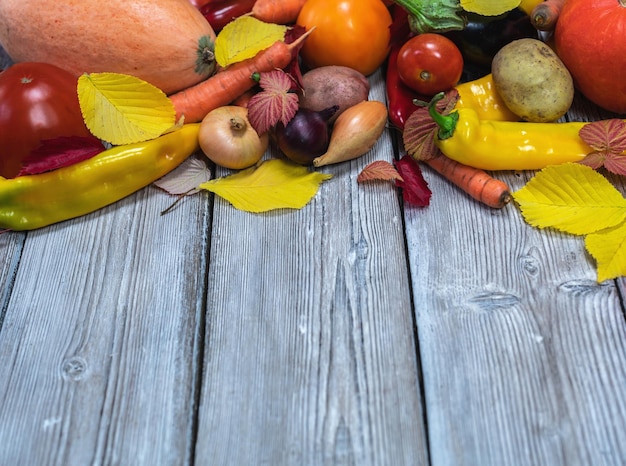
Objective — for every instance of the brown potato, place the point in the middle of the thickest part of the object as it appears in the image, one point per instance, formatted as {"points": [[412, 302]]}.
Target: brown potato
{"points": [[333, 85], [532, 81]]}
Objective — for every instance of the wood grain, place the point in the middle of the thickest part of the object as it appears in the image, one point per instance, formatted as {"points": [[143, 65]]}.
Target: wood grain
{"points": [[310, 355], [100, 339], [520, 347], [357, 330]]}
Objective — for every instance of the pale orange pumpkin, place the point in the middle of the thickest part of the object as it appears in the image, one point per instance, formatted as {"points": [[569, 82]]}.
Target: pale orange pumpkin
{"points": [[165, 42]]}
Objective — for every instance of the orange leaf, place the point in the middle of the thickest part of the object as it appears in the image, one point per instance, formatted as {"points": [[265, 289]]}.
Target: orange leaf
{"points": [[379, 170]]}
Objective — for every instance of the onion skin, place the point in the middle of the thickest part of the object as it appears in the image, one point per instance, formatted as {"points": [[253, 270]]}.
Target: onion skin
{"points": [[355, 132], [228, 139], [306, 136]]}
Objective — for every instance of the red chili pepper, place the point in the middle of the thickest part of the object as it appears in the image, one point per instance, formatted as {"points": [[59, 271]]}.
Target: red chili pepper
{"points": [[399, 96], [221, 12]]}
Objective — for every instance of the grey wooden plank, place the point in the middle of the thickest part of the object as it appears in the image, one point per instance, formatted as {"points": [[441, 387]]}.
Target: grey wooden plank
{"points": [[11, 244], [5, 60], [310, 355], [100, 342], [523, 353]]}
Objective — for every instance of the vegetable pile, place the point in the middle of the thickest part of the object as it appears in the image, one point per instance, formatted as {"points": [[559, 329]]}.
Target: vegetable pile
{"points": [[473, 87]]}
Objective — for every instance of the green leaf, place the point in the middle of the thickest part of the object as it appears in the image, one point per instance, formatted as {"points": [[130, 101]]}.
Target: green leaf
{"points": [[433, 15], [123, 109], [608, 248], [275, 184], [245, 37], [572, 198]]}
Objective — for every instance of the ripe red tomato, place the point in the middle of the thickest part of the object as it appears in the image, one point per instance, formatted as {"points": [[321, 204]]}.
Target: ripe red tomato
{"points": [[37, 101], [353, 33], [429, 63], [590, 39]]}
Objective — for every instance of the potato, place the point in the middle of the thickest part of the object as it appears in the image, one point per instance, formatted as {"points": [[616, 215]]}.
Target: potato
{"points": [[532, 81], [333, 85]]}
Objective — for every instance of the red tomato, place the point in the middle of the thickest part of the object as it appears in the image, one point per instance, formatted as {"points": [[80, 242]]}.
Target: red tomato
{"points": [[37, 101], [353, 33], [590, 39], [430, 63]]}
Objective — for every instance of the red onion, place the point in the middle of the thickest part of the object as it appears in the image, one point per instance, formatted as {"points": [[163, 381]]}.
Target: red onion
{"points": [[306, 136]]}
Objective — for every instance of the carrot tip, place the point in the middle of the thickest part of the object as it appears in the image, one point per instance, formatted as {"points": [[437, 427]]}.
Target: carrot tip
{"points": [[300, 39], [505, 198]]}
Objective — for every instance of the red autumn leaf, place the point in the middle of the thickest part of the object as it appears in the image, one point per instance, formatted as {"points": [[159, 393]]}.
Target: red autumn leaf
{"points": [[294, 33], [379, 170], [276, 102], [415, 189], [60, 152], [420, 129], [607, 138]]}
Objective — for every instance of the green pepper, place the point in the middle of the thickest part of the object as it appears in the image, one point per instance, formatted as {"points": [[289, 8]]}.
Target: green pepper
{"points": [[34, 201], [506, 145]]}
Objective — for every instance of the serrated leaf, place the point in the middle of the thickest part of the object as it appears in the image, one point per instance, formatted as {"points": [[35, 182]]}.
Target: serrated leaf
{"points": [[123, 109], [415, 189], [275, 103], [572, 198], [185, 178], [60, 152], [380, 170], [608, 248], [489, 7], [418, 135], [433, 15], [274, 184], [608, 140], [244, 37]]}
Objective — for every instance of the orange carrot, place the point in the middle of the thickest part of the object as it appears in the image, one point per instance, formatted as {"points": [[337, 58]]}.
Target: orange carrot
{"points": [[475, 182], [277, 11], [244, 99], [229, 83], [545, 15]]}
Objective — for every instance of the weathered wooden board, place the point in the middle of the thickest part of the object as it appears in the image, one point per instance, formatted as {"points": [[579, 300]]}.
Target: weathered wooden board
{"points": [[99, 344], [523, 352], [310, 354], [214, 336], [11, 245]]}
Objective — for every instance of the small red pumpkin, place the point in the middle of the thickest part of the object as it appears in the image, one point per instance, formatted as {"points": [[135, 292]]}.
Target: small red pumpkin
{"points": [[590, 39]]}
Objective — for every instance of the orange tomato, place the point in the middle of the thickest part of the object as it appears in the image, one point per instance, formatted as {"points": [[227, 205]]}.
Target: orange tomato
{"points": [[352, 33]]}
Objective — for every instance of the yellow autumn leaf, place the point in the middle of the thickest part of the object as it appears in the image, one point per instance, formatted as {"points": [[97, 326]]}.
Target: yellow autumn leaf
{"points": [[123, 109], [244, 37], [274, 184], [608, 248], [489, 7], [573, 198]]}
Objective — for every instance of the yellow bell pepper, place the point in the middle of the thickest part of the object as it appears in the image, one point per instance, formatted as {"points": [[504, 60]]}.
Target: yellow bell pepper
{"points": [[527, 6], [34, 201], [480, 94], [506, 145]]}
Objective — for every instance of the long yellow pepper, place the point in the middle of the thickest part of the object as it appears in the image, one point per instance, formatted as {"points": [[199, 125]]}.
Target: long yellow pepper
{"points": [[34, 201], [506, 145]]}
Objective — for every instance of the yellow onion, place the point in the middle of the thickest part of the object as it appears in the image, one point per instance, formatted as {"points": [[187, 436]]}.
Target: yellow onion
{"points": [[228, 139], [355, 132]]}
